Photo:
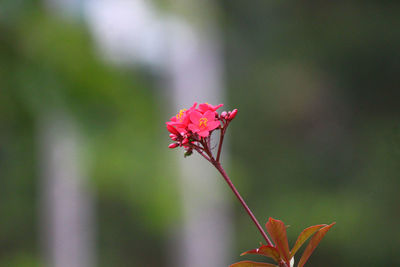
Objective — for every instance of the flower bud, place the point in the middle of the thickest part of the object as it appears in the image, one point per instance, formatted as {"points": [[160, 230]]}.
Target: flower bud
{"points": [[185, 141], [233, 114], [173, 137], [223, 114], [173, 145], [172, 129]]}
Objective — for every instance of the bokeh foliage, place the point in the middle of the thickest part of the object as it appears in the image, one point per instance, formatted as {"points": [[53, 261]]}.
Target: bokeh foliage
{"points": [[49, 64], [316, 140], [317, 137]]}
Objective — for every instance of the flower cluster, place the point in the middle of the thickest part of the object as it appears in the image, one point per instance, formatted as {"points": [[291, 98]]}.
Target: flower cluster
{"points": [[191, 128]]}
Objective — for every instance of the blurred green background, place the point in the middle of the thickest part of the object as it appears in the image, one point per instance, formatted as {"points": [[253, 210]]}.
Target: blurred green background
{"points": [[316, 140]]}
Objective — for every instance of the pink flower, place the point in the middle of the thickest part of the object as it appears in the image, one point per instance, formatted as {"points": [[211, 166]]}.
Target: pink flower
{"points": [[202, 124], [204, 107], [181, 120], [190, 127]]}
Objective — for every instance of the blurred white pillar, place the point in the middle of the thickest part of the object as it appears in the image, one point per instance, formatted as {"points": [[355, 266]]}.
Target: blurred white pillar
{"points": [[183, 47], [195, 72], [66, 222], [66, 203]]}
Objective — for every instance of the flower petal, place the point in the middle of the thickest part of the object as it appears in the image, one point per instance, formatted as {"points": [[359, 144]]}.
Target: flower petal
{"points": [[209, 115], [217, 106], [212, 125], [193, 128], [204, 133], [195, 116], [194, 106]]}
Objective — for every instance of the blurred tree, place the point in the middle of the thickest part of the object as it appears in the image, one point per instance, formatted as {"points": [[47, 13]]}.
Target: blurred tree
{"points": [[316, 87], [49, 64]]}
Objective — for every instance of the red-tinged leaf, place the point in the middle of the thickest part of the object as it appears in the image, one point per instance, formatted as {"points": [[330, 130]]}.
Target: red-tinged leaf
{"points": [[304, 236], [265, 250], [252, 264], [277, 230], [313, 244]]}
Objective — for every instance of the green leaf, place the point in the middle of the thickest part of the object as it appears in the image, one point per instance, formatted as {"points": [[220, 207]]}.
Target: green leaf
{"points": [[265, 250], [188, 153], [313, 244], [252, 264], [304, 236], [277, 230]]}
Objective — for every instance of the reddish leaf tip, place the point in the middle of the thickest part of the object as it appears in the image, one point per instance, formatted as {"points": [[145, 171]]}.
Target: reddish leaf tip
{"points": [[317, 237], [277, 230]]}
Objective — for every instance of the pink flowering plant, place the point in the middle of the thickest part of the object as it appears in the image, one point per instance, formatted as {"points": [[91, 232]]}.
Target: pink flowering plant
{"points": [[192, 129]]}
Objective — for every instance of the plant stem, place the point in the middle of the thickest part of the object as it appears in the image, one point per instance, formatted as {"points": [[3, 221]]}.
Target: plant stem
{"points": [[221, 140], [226, 177]]}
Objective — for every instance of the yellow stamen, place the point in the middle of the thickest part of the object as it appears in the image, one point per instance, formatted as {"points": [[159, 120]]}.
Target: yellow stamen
{"points": [[180, 114], [203, 122]]}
